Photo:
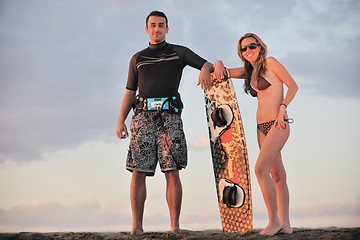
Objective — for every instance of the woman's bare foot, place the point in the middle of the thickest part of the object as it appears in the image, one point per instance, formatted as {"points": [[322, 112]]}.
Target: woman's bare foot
{"points": [[286, 229], [271, 229]]}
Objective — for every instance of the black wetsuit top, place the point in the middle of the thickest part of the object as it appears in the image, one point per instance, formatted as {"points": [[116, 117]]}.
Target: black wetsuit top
{"points": [[156, 71]]}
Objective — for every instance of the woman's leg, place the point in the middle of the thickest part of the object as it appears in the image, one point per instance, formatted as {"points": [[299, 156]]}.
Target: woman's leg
{"points": [[278, 175], [270, 147]]}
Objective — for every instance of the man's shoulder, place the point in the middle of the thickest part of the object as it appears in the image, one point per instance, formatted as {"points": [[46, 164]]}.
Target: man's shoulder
{"points": [[179, 49], [140, 52], [137, 56], [176, 46]]}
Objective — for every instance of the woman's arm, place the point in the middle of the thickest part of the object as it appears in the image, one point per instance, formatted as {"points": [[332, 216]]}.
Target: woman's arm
{"points": [[281, 72], [276, 67], [220, 71]]}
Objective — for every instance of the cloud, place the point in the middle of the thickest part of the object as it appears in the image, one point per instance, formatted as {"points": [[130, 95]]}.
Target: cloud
{"points": [[53, 215], [60, 76], [313, 211], [325, 48], [63, 64], [328, 72], [200, 142], [316, 215], [85, 216], [328, 210]]}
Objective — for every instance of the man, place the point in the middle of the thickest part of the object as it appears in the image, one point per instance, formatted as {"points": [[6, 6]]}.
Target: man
{"points": [[156, 128]]}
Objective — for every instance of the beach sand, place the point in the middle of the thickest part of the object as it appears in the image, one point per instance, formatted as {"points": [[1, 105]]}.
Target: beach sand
{"points": [[299, 233]]}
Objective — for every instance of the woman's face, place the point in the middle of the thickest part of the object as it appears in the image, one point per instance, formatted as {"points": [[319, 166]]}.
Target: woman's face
{"points": [[250, 49]]}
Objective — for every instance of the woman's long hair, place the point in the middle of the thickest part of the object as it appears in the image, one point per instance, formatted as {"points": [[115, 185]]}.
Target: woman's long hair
{"points": [[260, 62]]}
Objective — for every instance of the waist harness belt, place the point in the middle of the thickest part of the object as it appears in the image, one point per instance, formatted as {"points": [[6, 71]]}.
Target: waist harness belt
{"points": [[170, 104]]}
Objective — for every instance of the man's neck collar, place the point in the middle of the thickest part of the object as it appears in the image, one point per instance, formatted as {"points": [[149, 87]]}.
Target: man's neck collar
{"points": [[159, 45]]}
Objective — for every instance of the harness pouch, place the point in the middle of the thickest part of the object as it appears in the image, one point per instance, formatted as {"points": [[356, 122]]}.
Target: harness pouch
{"points": [[154, 104]]}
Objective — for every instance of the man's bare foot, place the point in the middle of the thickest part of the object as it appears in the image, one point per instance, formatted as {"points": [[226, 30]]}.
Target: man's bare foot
{"points": [[137, 231], [176, 230], [271, 230]]}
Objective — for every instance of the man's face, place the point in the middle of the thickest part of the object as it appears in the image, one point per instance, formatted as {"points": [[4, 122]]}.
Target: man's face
{"points": [[157, 29]]}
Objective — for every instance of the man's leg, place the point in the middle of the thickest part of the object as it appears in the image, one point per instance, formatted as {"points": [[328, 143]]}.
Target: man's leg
{"points": [[137, 198], [174, 198]]}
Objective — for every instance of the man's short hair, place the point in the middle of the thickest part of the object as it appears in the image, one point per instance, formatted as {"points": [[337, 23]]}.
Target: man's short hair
{"points": [[157, 14]]}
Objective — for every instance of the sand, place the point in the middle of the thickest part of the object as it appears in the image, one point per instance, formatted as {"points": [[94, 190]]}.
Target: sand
{"points": [[299, 233]]}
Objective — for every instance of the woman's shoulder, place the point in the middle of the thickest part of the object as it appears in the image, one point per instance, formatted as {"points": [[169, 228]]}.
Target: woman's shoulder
{"points": [[271, 60], [272, 63]]}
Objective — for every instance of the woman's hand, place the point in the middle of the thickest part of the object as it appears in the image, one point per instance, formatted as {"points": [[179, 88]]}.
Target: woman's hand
{"points": [[219, 70], [282, 115]]}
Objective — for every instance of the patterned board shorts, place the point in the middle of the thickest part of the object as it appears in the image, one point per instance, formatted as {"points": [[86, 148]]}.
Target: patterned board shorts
{"points": [[156, 137]]}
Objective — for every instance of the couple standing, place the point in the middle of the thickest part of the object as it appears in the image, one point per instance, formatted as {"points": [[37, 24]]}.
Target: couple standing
{"points": [[158, 136]]}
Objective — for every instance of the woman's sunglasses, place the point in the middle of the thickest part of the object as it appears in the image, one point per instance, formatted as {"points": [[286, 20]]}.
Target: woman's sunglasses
{"points": [[251, 46]]}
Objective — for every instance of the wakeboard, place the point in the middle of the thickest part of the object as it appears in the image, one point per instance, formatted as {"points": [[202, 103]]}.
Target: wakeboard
{"points": [[229, 156]]}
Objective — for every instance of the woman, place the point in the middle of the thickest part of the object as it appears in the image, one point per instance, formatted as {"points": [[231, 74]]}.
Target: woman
{"points": [[264, 78]]}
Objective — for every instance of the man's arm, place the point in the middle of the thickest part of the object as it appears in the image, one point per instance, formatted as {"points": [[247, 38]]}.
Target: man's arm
{"points": [[126, 105]]}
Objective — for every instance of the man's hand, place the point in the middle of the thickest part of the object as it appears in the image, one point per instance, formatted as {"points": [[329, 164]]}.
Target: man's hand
{"points": [[121, 131], [128, 101], [204, 77]]}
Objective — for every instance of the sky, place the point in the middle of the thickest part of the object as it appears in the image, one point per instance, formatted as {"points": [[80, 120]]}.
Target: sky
{"points": [[63, 70]]}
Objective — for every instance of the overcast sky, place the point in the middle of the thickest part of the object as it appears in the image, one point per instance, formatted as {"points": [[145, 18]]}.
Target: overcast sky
{"points": [[63, 70]]}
